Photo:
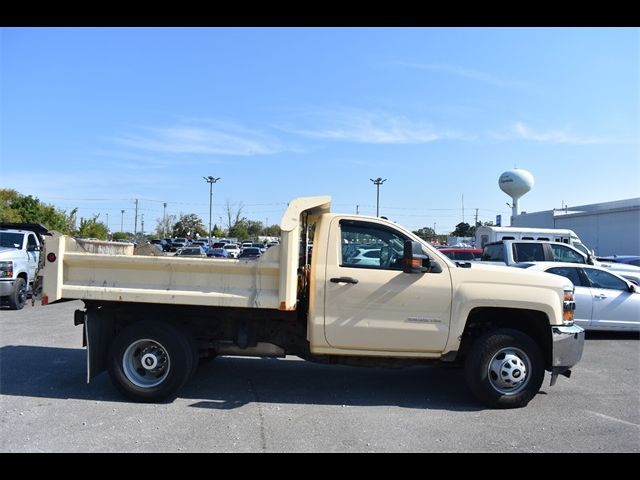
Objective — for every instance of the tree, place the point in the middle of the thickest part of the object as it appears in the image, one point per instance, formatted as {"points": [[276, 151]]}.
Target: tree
{"points": [[164, 225], [463, 229], [426, 233], [18, 208], [217, 232], [254, 227], [189, 225], [91, 228], [233, 217], [120, 236], [239, 230], [271, 231]]}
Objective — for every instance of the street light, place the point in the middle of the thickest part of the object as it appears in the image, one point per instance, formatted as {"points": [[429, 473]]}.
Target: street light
{"points": [[122, 221], [210, 180], [377, 182]]}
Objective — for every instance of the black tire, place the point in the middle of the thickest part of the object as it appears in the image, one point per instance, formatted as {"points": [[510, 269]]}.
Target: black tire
{"points": [[168, 355], [497, 364], [195, 353], [18, 297]]}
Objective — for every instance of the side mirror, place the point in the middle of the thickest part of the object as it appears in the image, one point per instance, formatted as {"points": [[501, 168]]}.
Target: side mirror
{"points": [[414, 260], [632, 288], [590, 260]]}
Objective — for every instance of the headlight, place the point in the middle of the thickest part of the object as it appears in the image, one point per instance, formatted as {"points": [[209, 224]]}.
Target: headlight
{"points": [[568, 306], [6, 269]]}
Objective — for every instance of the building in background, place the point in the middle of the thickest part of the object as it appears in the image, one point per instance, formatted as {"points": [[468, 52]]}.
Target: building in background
{"points": [[609, 228]]}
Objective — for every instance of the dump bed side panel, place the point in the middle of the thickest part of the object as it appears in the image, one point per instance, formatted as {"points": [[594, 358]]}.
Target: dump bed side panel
{"points": [[78, 274]]}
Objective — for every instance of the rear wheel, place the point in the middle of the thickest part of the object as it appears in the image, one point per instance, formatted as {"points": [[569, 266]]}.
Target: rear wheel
{"points": [[18, 297], [150, 361], [505, 369]]}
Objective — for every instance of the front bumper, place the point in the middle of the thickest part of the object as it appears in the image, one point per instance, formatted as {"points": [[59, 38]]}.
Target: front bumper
{"points": [[6, 287], [567, 346]]}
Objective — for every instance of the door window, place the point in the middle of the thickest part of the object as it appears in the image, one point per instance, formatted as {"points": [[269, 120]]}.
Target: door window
{"points": [[562, 253], [31, 243], [567, 272], [600, 279], [366, 245], [528, 252]]}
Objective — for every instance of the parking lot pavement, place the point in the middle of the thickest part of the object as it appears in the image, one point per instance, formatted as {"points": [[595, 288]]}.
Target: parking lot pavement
{"points": [[288, 405]]}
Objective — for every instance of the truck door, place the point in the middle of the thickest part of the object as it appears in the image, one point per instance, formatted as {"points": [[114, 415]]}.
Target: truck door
{"points": [[371, 304], [33, 254]]}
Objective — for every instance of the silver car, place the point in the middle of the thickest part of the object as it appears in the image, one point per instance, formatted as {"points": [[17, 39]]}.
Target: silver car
{"points": [[604, 300]]}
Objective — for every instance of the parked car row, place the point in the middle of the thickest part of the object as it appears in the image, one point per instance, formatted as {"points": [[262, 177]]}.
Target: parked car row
{"points": [[221, 249]]}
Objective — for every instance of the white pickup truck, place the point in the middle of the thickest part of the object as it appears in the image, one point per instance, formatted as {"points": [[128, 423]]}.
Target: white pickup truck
{"points": [[512, 252], [149, 320], [19, 257]]}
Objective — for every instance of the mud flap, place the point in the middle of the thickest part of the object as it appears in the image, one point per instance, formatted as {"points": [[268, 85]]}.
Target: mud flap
{"points": [[98, 331]]}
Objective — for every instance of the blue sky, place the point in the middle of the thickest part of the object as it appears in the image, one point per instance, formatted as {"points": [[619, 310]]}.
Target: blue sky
{"points": [[96, 117]]}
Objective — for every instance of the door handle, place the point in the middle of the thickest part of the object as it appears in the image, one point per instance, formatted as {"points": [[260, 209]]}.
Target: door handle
{"points": [[600, 296], [344, 280]]}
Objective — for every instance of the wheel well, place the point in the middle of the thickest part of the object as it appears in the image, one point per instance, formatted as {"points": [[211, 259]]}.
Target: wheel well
{"points": [[531, 322], [23, 275]]}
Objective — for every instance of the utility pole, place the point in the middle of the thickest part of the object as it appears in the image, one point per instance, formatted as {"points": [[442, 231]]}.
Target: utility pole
{"points": [[135, 225], [210, 180], [164, 220], [357, 209], [142, 223], [377, 182], [476, 224], [107, 222], [463, 208], [122, 220]]}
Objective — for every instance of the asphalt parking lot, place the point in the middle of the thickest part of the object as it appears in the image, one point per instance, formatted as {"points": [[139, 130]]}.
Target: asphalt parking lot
{"points": [[288, 405]]}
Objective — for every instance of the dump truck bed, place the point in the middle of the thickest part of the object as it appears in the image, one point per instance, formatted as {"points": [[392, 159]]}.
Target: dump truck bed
{"points": [[79, 273], [109, 271]]}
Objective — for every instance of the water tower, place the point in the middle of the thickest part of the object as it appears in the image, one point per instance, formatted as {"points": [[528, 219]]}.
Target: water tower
{"points": [[515, 183]]}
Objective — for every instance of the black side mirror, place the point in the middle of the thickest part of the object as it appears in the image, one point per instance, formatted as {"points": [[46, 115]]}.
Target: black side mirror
{"points": [[414, 260], [590, 260], [632, 288]]}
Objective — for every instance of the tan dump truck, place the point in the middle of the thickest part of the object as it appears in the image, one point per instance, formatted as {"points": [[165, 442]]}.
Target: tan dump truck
{"points": [[368, 292]]}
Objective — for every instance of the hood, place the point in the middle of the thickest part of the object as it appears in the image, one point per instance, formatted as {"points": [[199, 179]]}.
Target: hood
{"points": [[499, 274], [7, 253]]}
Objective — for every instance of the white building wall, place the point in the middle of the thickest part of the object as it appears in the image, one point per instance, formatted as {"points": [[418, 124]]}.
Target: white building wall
{"points": [[609, 228]]}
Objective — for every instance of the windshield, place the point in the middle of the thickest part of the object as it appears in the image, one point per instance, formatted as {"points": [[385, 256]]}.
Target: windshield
{"points": [[11, 240], [582, 248]]}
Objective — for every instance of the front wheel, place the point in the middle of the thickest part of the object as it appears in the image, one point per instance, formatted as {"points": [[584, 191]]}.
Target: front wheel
{"points": [[505, 369], [18, 297], [150, 361]]}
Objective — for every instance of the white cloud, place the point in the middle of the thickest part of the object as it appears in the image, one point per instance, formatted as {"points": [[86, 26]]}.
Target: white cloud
{"points": [[523, 132], [470, 74], [369, 127], [217, 138]]}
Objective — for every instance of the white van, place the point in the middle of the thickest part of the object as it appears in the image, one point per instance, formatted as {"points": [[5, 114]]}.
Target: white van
{"points": [[490, 234]]}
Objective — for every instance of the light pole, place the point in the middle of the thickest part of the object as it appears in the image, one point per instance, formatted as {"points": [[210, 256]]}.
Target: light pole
{"points": [[164, 220], [210, 180], [122, 220], [377, 182]]}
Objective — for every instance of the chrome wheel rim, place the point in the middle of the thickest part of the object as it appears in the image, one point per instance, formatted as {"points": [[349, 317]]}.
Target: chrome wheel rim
{"points": [[509, 371], [146, 363]]}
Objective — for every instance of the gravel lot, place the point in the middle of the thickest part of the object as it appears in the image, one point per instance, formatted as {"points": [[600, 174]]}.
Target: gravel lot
{"points": [[287, 405]]}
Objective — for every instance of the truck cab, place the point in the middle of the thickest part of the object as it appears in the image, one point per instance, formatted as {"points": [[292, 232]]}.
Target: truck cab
{"points": [[19, 259]]}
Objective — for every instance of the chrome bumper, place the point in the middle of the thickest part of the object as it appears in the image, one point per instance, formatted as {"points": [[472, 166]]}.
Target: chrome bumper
{"points": [[567, 346]]}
